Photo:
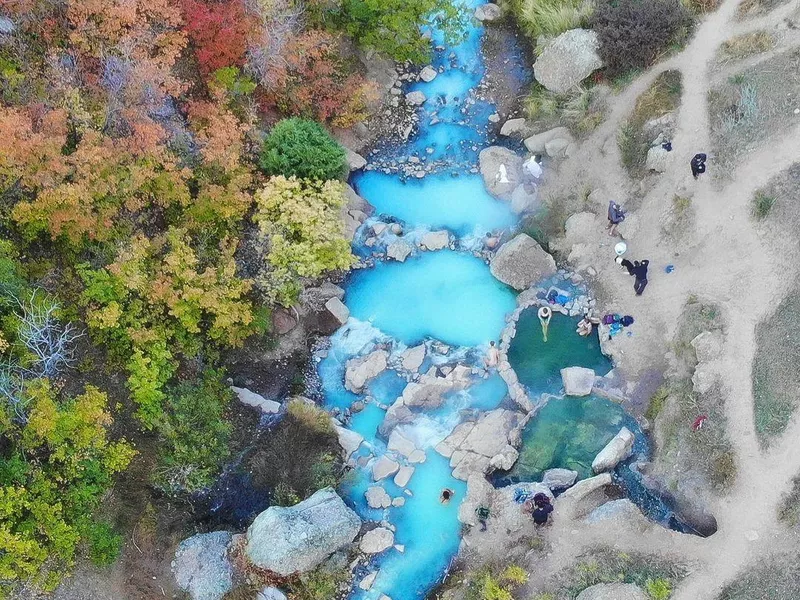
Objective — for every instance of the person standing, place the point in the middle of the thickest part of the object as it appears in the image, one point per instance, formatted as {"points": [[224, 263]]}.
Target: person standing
{"points": [[698, 164], [639, 270], [541, 509], [492, 356], [615, 217]]}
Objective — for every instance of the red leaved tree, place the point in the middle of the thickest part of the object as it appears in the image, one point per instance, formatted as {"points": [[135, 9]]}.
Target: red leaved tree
{"points": [[218, 31]]}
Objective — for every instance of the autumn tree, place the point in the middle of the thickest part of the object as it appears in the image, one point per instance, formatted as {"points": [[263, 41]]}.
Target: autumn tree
{"points": [[300, 221], [218, 32]]}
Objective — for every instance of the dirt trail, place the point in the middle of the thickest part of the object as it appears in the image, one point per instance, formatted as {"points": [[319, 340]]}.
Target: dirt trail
{"points": [[722, 260]]}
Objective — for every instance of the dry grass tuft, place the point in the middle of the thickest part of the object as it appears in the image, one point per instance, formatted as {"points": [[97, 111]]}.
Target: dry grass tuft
{"points": [[745, 45]]}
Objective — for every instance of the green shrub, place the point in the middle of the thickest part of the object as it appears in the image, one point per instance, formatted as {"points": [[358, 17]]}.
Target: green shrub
{"points": [[657, 402], [633, 33], [302, 148], [762, 205], [320, 584], [104, 544], [658, 589], [195, 434]]}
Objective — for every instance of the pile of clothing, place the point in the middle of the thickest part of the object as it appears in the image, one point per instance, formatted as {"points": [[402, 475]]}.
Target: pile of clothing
{"points": [[617, 323]]}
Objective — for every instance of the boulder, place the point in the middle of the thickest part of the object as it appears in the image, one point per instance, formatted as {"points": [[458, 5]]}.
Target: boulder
{"points": [[479, 493], [488, 12], [400, 444], [559, 479], [435, 240], [399, 250], [703, 379], [584, 487], [298, 538], [428, 74], [557, 147], [525, 199], [416, 98], [366, 583], [384, 467], [501, 169], [516, 128], [617, 450], [270, 593], [360, 370], [621, 511], [403, 476], [355, 211], [7, 26], [349, 440], [412, 359], [201, 566], [613, 591], [578, 381], [658, 159], [429, 391], [376, 540], [268, 407], [707, 346], [337, 310], [355, 161], [521, 262], [537, 143], [377, 497], [567, 60], [581, 227], [283, 321]]}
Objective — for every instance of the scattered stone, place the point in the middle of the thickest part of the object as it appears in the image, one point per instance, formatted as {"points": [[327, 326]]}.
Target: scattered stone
{"points": [[396, 228], [271, 593], [337, 309], [403, 476], [494, 117], [578, 381], [355, 211], [366, 583], [398, 502], [522, 262], [488, 12], [360, 370], [412, 359], [268, 407], [354, 160], [383, 468], [297, 538], [501, 169], [617, 450], [417, 456], [567, 60], [559, 479], [377, 497], [376, 540], [416, 98], [703, 379], [201, 566], [378, 228], [399, 250], [707, 346], [516, 128], [400, 444], [613, 591], [349, 440], [428, 74], [537, 143], [658, 159], [435, 240]]}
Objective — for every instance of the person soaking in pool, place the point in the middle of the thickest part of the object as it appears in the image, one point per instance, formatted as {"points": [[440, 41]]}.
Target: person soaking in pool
{"points": [[492, 356], [541, 509], [447, 495]]}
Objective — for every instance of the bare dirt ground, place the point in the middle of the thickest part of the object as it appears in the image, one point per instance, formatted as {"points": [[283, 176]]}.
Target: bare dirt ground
{"points": [[722, 259]]}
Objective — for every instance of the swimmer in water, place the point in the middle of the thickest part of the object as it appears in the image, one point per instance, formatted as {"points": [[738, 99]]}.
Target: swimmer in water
{"points": [[447, 494]]}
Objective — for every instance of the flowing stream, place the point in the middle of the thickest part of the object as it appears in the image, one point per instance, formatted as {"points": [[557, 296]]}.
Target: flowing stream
{"points": [[448, 300]]}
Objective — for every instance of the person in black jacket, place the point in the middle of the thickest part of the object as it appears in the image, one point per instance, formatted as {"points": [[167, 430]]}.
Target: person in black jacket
{"points": [[698, 164], [541, 509], [639, 270]]}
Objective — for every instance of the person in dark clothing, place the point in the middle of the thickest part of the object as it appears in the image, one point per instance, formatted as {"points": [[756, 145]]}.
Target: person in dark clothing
{"points": [[541, 509], [698, 164], [615, 216], [639, 270]]}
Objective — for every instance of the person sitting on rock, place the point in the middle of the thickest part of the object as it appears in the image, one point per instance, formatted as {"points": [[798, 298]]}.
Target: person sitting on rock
{"points": [[585, 326]]}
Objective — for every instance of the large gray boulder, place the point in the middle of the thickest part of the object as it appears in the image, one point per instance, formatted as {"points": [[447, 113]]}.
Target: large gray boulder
{"points": [[298, 538], [501, 169], [337, 310], [518, 128], [707, 345], [617, 450], [525, 199], [399, 250], [201, 566], [376, 540], [538, 143], [488, 12], [559, 479], [621, 511], [360, 370], [578, 381], [567, 60], [355, 211], [658, 159], [412, 359], [613, 591], [270, 593], [268, 407], [415, 98], [585, 487], [355, 161], [428, 74], [521, 262]]}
